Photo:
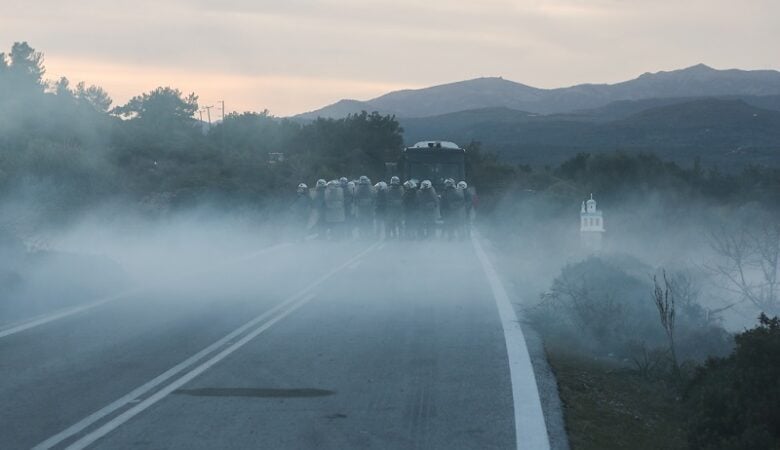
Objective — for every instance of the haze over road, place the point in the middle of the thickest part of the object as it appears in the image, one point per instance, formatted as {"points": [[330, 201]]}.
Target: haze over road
{"points": [[307, 345]]}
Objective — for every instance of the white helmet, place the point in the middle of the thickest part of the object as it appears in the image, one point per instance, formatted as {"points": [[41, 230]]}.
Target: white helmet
{"points": [[426, 184], [395, 180], [381, 185], [449, 182], [333, 183], [321, 183], [302, 186], [364, 180], [343, 180], [462, 185]]}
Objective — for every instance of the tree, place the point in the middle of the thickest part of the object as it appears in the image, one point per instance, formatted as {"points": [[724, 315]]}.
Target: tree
{"points": [[62, 88], [734, 402], [93, 96], [749, 250], [26, 66], [163, 106], [664, 299]]}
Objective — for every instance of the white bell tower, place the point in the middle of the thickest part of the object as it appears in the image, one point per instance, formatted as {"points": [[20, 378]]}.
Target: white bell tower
{"points": [[591, 225]]}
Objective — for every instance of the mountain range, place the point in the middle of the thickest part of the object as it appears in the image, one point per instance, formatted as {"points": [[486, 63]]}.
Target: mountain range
{"points": [[696, 81], [730, 133], [729, 118]]}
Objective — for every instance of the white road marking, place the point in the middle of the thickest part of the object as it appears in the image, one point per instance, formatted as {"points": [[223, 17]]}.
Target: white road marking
{"points": [[295, 300], [530, 428], [18, 327], [117, 421], [42, 320]]}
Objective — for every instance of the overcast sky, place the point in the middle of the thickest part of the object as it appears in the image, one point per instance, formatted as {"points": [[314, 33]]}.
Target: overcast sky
{"points": [[291, 56]]}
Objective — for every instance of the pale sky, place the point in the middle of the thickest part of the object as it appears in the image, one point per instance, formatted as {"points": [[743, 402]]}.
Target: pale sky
{"points": [[291, 56]]}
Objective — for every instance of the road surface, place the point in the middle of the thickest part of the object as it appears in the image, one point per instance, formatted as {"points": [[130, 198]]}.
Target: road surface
{"points": [[308, 345]]}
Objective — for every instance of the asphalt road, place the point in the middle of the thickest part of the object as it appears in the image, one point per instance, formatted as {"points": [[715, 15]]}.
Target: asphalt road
{"points": [[310, 345]]}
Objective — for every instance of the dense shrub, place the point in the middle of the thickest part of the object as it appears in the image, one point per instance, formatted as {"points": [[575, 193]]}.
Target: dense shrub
{"points": [[603, 305], [734, 402]]}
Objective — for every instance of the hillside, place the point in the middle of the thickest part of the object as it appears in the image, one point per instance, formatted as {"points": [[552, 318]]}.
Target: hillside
{"points": [[695, 81], [719, 131]]}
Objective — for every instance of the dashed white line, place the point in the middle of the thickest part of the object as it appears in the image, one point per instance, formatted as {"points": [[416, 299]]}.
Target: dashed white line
{"points": [[530, 428], [18, 327], [42, 320]]}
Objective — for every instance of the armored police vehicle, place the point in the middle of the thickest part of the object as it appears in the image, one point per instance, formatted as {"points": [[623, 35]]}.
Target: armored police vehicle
{"points": [[435, 161]]}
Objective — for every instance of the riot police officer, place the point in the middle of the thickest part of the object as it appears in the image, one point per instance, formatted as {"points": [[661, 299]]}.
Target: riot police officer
{"points": [[300, 211], [411, 210], [428, 204], [318, 208], [334, 209], [394, 212], [364, 207], [453, 209]]}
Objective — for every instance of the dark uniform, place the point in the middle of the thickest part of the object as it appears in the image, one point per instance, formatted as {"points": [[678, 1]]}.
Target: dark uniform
{"points": [[348, 202], [453, 211], [364, 209], [334, 209], [380, 199], [318, 211], [300, 212], [428, 204], [411, 212], [395, 210]]}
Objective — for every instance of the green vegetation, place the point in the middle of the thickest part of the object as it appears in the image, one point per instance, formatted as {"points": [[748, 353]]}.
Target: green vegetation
{"points": [[618, 383], [734, 402], [725, 131], [624, 386], [66, 149], [607, 406]]}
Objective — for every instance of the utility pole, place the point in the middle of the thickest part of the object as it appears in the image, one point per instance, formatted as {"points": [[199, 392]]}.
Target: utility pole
{"points": [[224, 129], [208, 114]]}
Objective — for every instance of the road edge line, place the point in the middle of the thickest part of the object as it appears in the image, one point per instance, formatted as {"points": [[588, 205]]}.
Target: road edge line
{"points": [[33, 322], [530, 426]]}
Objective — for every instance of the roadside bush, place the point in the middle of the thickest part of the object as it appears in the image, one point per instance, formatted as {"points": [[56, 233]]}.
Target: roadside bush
{"points": [[603, 305], [734, 402]]}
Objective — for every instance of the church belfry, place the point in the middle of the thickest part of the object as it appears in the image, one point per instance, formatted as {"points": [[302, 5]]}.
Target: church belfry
{"points": [[591, 225]]}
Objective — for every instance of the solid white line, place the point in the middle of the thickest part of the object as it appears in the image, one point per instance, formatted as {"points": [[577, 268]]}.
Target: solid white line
{"points": [[530, 428], [119, 420], [162, 378], [18, 327]]}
